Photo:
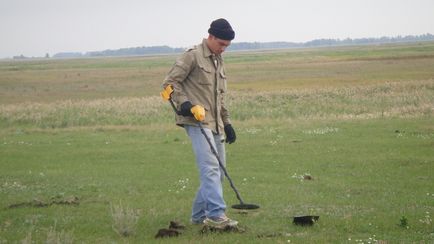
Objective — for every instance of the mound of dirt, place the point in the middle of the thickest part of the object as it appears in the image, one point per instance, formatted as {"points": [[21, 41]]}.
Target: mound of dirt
{"points": [[227, 229], [36, 203], [174, 230], [162, 233]]}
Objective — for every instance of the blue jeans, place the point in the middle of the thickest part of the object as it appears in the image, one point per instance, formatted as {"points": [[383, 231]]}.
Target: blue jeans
{"points": [[209, 200]]}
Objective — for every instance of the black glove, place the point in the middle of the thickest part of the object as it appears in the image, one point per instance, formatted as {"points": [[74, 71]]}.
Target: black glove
{"points": [[230, 134], [186, 109]]}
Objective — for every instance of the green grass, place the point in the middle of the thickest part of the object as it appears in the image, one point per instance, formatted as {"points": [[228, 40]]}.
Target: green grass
{"points": [[357, 119], [367, 175]]}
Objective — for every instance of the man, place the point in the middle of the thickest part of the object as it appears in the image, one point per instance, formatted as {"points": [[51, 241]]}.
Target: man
{"points": [[198, 80]]}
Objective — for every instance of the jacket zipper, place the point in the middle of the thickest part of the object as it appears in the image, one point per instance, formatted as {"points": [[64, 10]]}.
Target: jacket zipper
{"points": [[216, 105], [216, 95]]}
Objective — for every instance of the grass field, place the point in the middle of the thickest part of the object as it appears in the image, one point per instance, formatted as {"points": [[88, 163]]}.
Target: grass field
{"points": [[87, 145]]}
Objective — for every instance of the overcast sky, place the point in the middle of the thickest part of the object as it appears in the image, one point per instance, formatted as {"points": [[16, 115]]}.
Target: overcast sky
{"points": [[37, 27]]}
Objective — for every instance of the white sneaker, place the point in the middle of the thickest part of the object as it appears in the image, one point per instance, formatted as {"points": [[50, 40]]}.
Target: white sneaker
{"points": [[220, 222]]}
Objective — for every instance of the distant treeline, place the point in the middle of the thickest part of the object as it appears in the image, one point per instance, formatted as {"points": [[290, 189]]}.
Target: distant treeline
{"points": [[329, 42], [133, 51], [238, 46]]}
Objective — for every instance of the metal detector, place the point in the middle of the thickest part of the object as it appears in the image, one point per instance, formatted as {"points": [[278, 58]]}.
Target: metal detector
{"points": [[166, 94]]}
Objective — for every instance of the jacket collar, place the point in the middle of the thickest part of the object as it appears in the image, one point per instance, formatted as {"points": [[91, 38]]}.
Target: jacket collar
{"points": [[206, 51]]}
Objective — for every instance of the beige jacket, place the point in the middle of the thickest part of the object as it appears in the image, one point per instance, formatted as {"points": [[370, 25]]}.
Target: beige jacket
{"points": [[199, 76]]}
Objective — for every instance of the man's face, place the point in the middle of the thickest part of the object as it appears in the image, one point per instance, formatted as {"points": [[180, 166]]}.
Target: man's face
{"points": [[216, 45]]}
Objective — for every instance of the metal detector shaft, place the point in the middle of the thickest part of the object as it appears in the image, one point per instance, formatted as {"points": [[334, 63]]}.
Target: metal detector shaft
{"points": [[173, 106], [213, 150]]}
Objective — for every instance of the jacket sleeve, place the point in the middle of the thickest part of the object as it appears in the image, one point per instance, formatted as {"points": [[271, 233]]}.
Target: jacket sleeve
{"points": [[224, 113], [177, 74]]}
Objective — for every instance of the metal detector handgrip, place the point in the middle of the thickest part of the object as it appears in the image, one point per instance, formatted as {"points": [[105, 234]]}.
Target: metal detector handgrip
{"points": [[166, 94], [197, 111]]}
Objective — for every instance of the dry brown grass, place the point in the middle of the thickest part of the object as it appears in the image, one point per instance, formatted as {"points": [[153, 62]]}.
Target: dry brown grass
{"points": [[44, 82], [338, 83], [393, 99], [274, 76], [47, 81], [118, 111], [124, 220]]}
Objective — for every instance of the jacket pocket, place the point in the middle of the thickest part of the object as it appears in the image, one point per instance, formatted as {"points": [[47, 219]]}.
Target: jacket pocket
{"points": [[206, 75]]}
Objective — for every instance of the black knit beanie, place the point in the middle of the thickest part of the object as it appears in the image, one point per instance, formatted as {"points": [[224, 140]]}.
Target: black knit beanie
{"points": [[221, 29]]}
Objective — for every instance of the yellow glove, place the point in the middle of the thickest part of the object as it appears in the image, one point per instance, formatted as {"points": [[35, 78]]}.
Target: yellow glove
{"points": [[167, 93], [198, 112]]}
